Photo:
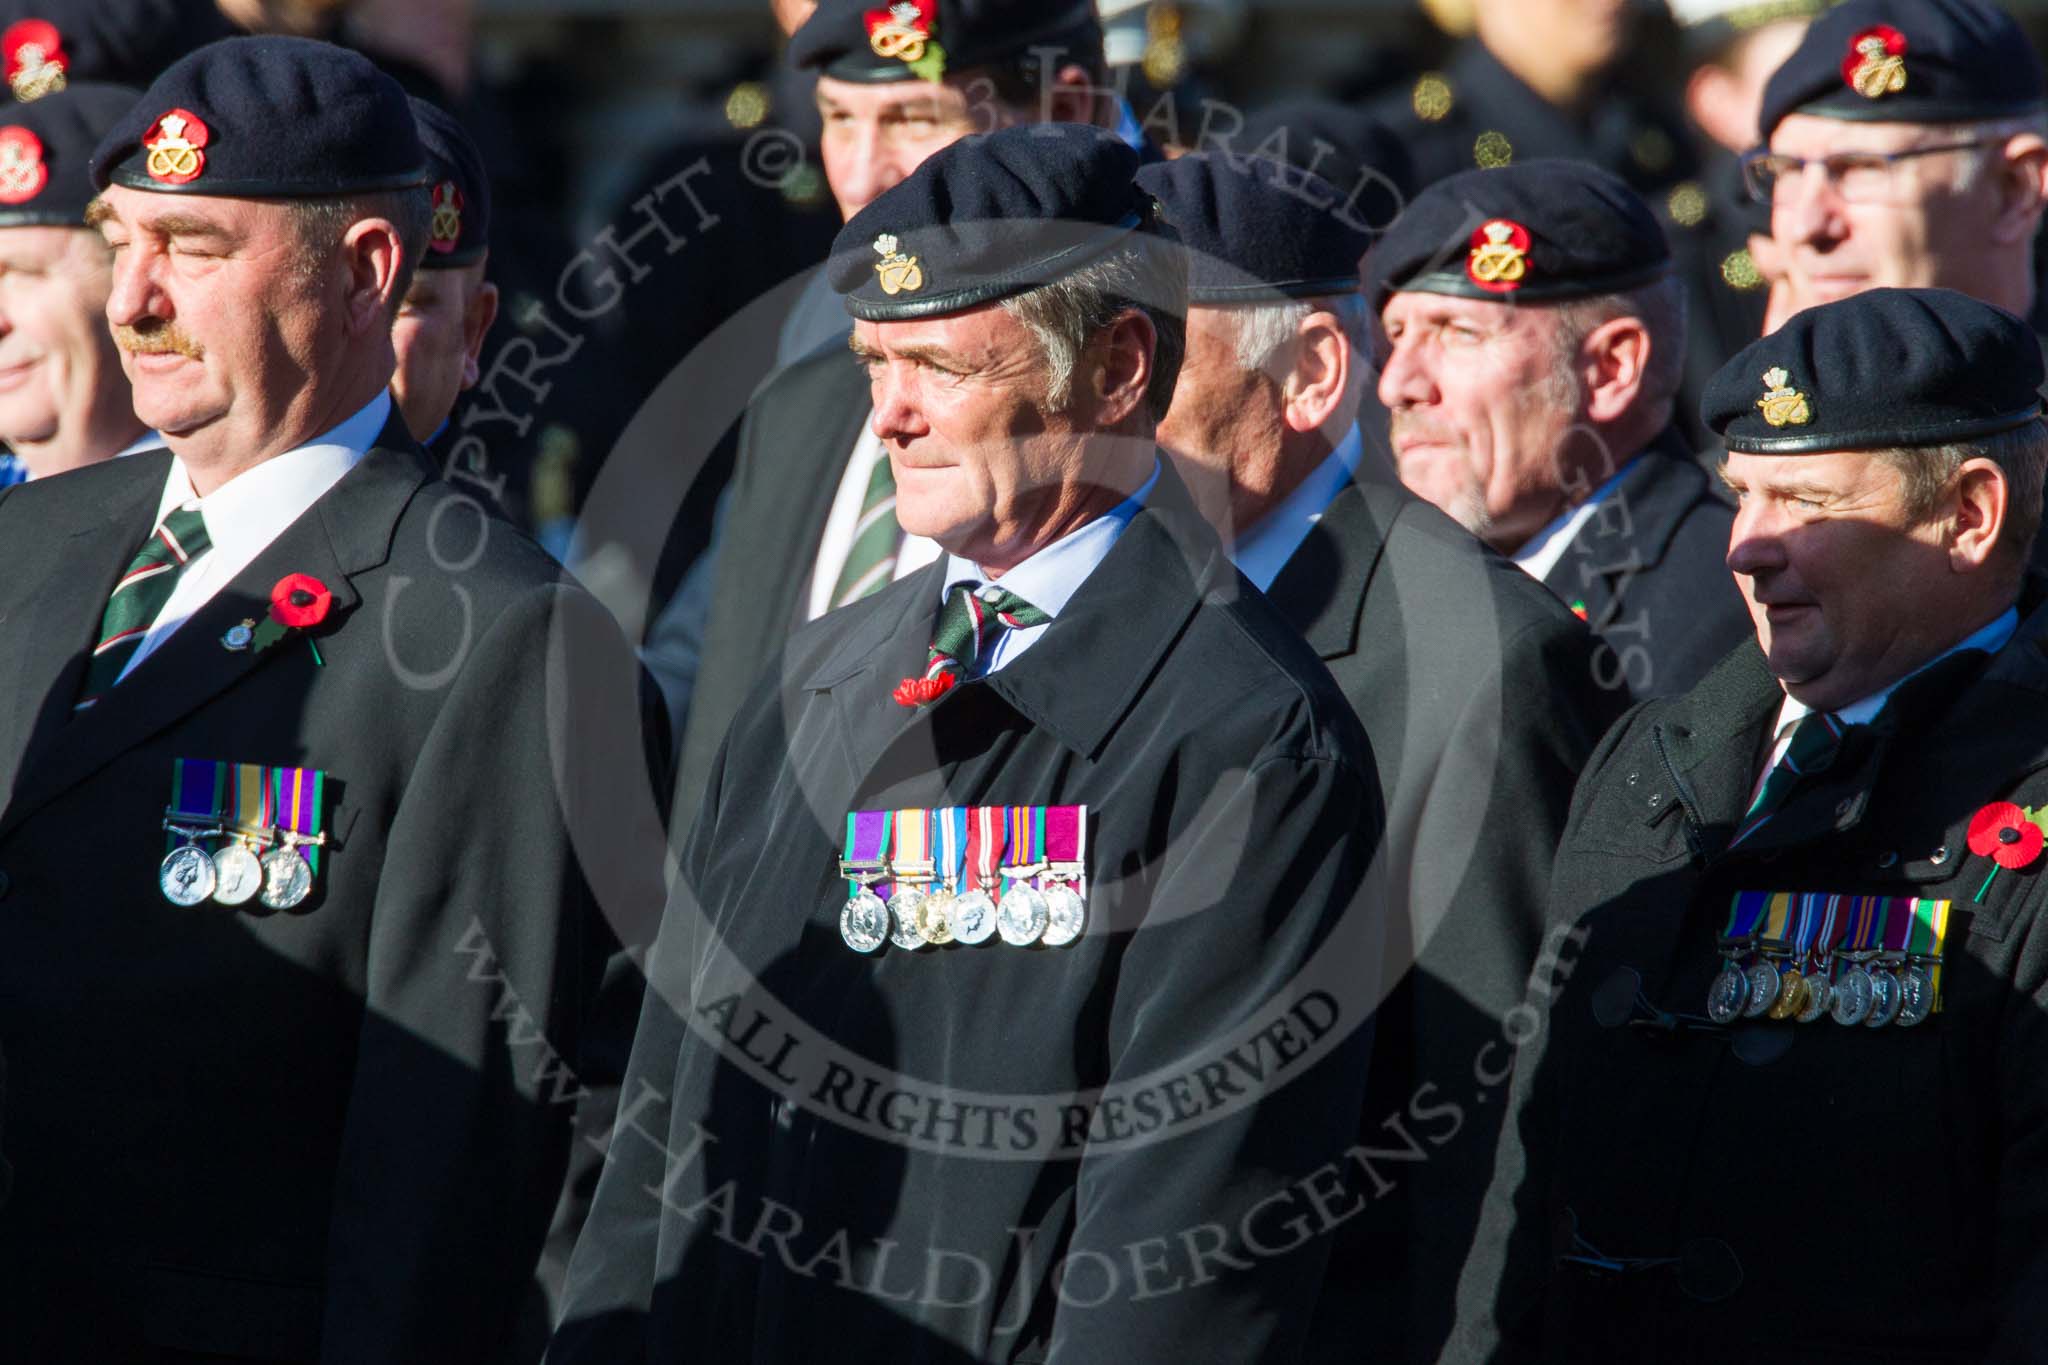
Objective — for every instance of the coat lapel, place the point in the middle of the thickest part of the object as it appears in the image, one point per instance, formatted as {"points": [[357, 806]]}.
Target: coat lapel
{"points": [[48, 667], [344, 533], [1321, 590], [1631, 529]]}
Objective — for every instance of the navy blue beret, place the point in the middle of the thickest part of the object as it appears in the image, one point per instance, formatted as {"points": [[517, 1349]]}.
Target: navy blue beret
{"points": [[1256, 230], [269, 117], [1342, 143], [46, 152], [1907, 61], [900, 40], [1535, 231], [1880, 370], [46, 43], [990, 216], [461, 230]]}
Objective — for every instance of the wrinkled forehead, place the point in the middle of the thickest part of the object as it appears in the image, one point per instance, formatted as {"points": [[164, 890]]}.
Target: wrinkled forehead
{"points": [[1833, 473], [984, 332], [892, 99], [167, 214], [1421, 308], [1811, 135]]}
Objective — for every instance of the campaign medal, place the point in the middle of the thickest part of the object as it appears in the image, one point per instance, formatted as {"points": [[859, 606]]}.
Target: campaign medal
{"points": [[864, 920], [237, 863], [296, 796], [187, 875], [1886, 997], [1022, 915], [974, 913], [1766, 981], [1853, 993], [910, 867], [1728, 994], [1066, 874], [1728, 997], [949, 856]]}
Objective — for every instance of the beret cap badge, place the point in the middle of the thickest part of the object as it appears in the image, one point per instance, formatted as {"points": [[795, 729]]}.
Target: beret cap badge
{"points": [[174, 143], [1783, 405], [904, 31], [1876, 64], [23, 172], [35, 59], [445, 229], [1499, 257], [900, 274]]}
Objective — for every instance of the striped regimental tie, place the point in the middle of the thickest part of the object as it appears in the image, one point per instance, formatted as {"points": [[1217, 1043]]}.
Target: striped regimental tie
{"points": [[871, 559], [1816, 739], [139, 596], [970, 623]]}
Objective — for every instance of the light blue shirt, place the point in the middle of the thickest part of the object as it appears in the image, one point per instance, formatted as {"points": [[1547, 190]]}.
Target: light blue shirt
{"points": [[1049, 579], [1266, 546]]}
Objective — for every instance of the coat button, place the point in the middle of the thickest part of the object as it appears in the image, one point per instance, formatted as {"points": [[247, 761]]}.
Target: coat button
{"points": [[1632, 778], [1656, 800], [1844, 806], [1888, 859], [785, 1114], [1939, 856]]}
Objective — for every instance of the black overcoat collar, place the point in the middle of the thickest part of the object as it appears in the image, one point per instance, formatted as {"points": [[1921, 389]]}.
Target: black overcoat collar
{"points": [[1080, 680], [344, 534]]}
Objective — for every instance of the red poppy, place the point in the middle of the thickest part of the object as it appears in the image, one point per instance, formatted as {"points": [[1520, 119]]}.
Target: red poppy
{"points": [[2002, 832], [300, 600], [923, 691]]}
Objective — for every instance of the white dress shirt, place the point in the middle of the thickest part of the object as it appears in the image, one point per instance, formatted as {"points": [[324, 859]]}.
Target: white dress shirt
{"points": [[912, 552], [1049, 579], [248, 512], [1990, 639], [1268, 543], [1539, 555]]}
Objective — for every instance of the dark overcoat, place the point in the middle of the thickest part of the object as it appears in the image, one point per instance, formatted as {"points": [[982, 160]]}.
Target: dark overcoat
{"points": [[335, 1134], [1476, 688], [1649, 568], [971, 1196], [1778, 1192]]}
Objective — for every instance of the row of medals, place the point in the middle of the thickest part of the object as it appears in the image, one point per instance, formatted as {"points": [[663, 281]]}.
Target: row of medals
{"points": [[238, 871], [916, 916], [1872, 992]]}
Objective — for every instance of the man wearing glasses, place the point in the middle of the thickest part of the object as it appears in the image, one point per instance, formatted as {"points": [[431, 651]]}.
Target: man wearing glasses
{"points": [[1905, 148]]}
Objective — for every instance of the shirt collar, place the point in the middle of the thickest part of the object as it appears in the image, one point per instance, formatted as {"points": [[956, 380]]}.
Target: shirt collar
{"points": [[1990, 639], [1049, 579], [148, 440], [1540, 553], [248, 511], [1268, 543]]}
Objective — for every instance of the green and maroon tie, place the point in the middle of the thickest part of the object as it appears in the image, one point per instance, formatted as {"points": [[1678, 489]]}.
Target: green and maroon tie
{"points": [[139, 596], [969, 625]]}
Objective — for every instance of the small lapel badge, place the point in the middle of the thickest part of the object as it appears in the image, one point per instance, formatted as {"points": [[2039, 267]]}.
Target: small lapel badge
{"points": [[900, 274], [239, 637], [1783, 405]]}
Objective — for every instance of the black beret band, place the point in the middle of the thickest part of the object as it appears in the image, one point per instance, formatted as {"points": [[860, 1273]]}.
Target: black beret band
{"points": [[1458, 284], [1884, 438], [1260, 293], [1041, 270], [50, 185], [127, 174]]}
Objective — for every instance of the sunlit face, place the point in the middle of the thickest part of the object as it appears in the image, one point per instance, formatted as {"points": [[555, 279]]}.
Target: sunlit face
{"points": [[57, 361], [1477, 413], [876, 134], [1920, 232], [439, 337], [218, 319], [981, 462], [1225, 426], [1836, 575]]}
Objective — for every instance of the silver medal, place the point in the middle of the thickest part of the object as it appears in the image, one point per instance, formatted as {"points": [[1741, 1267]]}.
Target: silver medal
{"points": [[1065, 915], [1851, 1005], [864, 922], [1022, 916], [1886, 998], [903, 912], [1764, 985], [1728, 994], [1917, 996], [1819, 996], [286, 879], [187, 876], [238, 874], [974, 918]]}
